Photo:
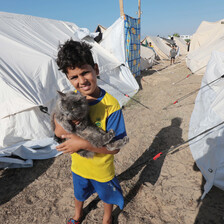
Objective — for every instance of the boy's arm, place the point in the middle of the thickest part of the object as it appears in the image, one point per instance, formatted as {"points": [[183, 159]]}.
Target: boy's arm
{"points": [[74, 143]]}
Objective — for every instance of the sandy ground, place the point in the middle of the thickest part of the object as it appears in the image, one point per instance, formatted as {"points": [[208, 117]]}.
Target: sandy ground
{"points": [[166, 190]]}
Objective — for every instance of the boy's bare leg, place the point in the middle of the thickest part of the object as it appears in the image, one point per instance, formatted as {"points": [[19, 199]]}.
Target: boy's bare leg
{"points": [[78, 209], [107, 217]]}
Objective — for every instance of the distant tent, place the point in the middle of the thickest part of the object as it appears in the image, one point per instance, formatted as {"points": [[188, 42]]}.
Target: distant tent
{"points": [[179, 43], [184, 42], [160, 47], [208, 37], [170, 42], [208, 148], [29, 78], [147, 58], [182, 45]]}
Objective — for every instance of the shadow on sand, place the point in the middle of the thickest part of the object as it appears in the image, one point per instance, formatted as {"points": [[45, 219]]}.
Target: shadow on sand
{"points": [[13, 181], [149, 171]]}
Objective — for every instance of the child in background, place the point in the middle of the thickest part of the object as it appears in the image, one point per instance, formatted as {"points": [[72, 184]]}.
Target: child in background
{"points": [[150, 45], [173, 54], [95, 174]]}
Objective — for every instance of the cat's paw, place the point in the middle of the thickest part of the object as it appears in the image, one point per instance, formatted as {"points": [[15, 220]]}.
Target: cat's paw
{"points": [[126, 139], [111, 133]]}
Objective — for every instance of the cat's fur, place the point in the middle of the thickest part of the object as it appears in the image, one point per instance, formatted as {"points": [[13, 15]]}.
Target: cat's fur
{"points": [[72, 106]]}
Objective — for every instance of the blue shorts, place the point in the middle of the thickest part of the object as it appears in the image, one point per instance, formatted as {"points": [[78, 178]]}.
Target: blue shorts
{"points": [[109, 192]]}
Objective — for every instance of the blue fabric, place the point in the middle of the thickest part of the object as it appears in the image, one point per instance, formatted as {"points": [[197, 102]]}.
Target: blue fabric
{"points": [[116, 122], [109, 192], [132, 42]]}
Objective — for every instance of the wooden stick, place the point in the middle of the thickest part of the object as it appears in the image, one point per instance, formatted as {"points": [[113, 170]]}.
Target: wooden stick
{"points": [[121, 7], [139, 8]]}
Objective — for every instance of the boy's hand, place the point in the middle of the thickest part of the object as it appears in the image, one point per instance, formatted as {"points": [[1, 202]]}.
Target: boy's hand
{"points": [[73, 144]]}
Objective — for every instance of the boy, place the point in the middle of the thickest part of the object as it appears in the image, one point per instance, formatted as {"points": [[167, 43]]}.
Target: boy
{"points": [[150, 45], [96, 174], [173, 54]]}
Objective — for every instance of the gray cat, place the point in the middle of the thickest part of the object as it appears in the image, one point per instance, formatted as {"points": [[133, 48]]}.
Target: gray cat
{"points": [[72, 106]]}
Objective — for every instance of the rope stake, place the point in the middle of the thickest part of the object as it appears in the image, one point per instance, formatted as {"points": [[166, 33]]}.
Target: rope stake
{"points": [[176, 148], [191, 93]]}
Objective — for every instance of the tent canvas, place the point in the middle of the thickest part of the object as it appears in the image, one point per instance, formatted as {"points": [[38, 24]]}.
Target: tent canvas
{"points": [[182, 45], [124, 34], [160, 47], [208, 149], [206, 33], [113, 41], [29, 79], [208, 37], [113, 44], [198, 59], [147, 58]]}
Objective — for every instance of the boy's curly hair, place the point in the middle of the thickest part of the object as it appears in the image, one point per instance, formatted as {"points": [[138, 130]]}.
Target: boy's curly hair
{"points": [[74, 54]]}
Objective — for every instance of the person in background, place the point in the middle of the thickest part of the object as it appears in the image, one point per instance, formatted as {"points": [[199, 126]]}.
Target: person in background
{"points": [[173, 54], [150, 44], [188, 46]]}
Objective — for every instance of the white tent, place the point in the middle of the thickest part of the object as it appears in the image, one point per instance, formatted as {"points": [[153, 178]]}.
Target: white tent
{"points": [[159, 45], [182, 45], [208, 148], [208, 37], [113, 40], [183, 41], [206, 33], [147, 58], [29, 79]]}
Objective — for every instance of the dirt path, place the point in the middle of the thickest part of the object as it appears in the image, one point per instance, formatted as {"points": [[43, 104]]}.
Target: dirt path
{"points": [[158, 192]]}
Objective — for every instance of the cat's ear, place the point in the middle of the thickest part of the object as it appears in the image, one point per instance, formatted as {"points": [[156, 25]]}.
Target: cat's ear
{"points": [[61, 93]]}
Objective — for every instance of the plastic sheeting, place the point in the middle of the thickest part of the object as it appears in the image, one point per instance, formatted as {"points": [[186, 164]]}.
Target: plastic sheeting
{"points": [[208, 149], [29, 79], [132, 43]]}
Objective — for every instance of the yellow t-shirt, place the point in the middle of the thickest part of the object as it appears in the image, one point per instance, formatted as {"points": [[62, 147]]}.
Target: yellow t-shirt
{"points": [[105, 112]]}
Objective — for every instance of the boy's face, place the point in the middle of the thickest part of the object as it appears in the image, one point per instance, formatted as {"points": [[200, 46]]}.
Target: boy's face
{"points": [[84, 79]]}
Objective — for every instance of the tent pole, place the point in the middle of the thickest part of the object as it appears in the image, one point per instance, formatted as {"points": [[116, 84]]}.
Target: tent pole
{"points": [[121, 7], [139, 8]]}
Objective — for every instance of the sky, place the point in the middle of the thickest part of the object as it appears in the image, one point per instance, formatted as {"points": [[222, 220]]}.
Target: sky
{"points": [[159, 17]]}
